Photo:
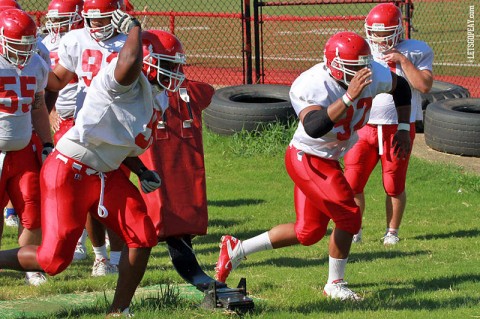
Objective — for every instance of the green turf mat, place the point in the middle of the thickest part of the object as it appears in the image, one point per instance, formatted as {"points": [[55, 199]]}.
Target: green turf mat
{"points": [[33, 307]]}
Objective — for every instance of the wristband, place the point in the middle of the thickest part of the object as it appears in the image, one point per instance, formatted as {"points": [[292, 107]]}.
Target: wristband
{"points": [[349, 97], [403, 127], [346, 100]]}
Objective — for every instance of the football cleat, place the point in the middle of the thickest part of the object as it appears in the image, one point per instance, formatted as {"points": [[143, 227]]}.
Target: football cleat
{"points": [[339, 290], [390, 239], [35, 278], [231, 254], [124, 314], [357, 238], [102, 267], [80, 252], [12, 221]]}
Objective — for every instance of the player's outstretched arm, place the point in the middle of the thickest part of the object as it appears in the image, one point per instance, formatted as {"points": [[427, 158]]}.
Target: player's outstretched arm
{"points": [[130, 57], [59, 78]]}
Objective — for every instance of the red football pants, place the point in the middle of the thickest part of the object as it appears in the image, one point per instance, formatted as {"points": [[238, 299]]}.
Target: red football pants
{"points": [[69, 191], [321, 193], [20, 181], [362, 158]]}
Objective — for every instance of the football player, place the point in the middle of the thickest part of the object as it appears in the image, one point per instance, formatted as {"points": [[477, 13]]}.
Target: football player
{"points": [[23, 76], [332, 100], [113, 126], [63, 16], [82, 53], [413, 60], [11, 217]]}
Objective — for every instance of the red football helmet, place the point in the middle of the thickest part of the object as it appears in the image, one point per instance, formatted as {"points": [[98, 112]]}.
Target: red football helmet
{"points": [[10, 3], [96, 9], [385, 18], [346, 53], [163, 59], [18, 36], [63, 16]]}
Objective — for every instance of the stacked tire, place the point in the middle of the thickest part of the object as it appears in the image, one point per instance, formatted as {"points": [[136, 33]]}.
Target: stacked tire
{"points": [[440, 91], [248, 107], [453, 126]]}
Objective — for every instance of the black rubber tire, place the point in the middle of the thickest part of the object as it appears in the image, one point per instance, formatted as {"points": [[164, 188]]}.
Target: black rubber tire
{"points": [[440, 91], [247, 107], [453, 126], [443, 91]]}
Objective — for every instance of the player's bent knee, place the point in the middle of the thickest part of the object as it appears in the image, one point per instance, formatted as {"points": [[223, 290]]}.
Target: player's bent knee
{"points": [[53, 265], [394, 192], [308, 238], [352, 224]]}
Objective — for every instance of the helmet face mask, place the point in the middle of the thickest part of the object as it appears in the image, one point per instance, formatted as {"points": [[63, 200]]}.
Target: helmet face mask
{"points": [[163, 59], [101, 11], [345, 54], [63, 16], [18, 37], [383, 27]]}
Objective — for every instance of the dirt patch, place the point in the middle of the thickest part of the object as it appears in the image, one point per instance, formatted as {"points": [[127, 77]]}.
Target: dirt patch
{"points": [[421, 150]]}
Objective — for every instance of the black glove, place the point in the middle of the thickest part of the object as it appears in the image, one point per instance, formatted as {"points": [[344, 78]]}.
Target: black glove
{"points": [[47, 149], [123, 22], [149, 181]]}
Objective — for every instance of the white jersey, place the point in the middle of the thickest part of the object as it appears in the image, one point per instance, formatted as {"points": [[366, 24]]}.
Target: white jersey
{"points": [[43, 51], [80, 54], [316, 87], [115, 121], [66, 100], [17, 93], [383, 109], [161, 101]]}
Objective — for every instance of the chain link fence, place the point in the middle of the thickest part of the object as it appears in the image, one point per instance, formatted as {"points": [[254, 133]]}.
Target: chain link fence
{"points": [[232, 42], [293, 34]]}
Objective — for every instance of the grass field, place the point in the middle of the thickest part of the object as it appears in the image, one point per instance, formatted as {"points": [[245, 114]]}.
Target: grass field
{"points": [[432, 273]]}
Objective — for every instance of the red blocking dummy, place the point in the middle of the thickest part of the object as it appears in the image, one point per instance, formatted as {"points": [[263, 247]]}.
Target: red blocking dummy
{"points": [[179, 206]]}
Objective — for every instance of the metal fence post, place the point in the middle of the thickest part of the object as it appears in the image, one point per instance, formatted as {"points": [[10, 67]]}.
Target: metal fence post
{"points": [[247, 42], [256, 27]]}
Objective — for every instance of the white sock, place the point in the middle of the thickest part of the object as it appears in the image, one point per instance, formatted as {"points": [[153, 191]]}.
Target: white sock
{"points": [[336, 269], [115, 257], [392, 230], [100, 252], [255, 244], [83, 238]]}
